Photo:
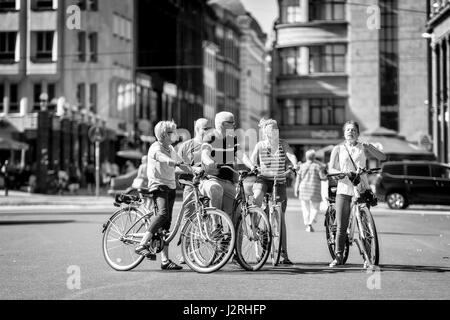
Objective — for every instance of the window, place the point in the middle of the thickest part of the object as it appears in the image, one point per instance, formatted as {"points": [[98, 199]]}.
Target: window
{"points": [[7, 46], [326, 10], [93, 44], [82, 4], [288, 106], [93, 5], [7, 5], [81, 96], [389, 65], [2, 95], [14, 98], [290, 11], [440, 172], [44, 46], [41, 5], [93, 97], [418, 170], [291, 61], [327, 58], [327, 111], [37, 90], [81, 46], [394, 170]]}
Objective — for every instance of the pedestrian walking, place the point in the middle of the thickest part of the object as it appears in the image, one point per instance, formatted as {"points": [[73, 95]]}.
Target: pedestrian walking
{"points": [[308, 188], [4, 171]]}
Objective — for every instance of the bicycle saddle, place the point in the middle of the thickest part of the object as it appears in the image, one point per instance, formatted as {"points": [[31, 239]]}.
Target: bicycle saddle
{"points": [[144, 191]]}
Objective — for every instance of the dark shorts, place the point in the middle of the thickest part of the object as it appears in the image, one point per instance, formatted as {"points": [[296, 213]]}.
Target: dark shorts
{"points": [[266, 186]]}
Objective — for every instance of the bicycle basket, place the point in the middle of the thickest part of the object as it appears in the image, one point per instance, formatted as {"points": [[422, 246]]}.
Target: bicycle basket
{"points": [[369, 198]]}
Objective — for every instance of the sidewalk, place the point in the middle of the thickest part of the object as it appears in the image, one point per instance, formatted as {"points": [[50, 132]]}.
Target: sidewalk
{"points": [[81, 200]]}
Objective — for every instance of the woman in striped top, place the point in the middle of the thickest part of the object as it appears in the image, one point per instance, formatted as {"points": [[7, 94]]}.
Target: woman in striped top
{"points": [[270, 155]]}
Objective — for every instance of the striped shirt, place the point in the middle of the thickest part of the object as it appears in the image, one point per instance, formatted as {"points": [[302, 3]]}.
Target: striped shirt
{"points": [[310, 185], [272, 162]]}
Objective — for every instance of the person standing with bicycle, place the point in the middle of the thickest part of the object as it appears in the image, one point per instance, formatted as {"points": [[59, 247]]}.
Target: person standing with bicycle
{"points": [[221, 148], [270, 155], [348, 157], [162, 161]]}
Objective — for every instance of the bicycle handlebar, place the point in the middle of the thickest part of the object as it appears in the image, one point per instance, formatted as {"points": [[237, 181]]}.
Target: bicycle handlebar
{"points": [[342, 175]]}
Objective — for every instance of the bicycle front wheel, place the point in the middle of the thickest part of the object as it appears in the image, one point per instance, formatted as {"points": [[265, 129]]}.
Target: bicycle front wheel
{"points": [[208, 241], [276, 232], [253, 240], [118, 244], [370, 237], [330, 232]]}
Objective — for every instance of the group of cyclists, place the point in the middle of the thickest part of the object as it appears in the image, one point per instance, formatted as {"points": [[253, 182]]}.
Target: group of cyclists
{"points": [[214, 147]]}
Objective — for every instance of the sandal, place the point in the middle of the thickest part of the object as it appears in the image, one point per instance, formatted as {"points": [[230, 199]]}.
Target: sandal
{"points": [[170, 266]]}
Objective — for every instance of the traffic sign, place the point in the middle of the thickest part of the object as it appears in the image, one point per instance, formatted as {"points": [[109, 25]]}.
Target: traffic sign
{"points": [[97, 134]]}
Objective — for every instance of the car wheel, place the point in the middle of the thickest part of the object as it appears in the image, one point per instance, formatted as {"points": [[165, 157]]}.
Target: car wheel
{"points": [[396, 201]]}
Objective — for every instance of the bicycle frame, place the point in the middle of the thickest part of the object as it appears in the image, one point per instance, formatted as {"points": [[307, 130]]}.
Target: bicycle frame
{"points": [[355, 222], [144, 207]]}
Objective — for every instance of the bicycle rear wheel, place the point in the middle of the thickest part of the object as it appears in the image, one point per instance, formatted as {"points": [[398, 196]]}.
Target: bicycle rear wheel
{"points": [[253, 241], [276, 234], [207, 250], [330, 232], [370, 239], [118, 245]]}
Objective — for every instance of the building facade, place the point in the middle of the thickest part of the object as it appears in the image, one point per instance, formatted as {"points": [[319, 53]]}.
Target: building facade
{"points": [[253, 72], [173, 58], [334, 61], [439, 63], [67, 65]]}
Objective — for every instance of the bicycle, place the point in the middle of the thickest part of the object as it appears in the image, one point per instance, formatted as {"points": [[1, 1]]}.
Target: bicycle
{"points": [[360, 218], [207, 238], [274, 208], [253, 238]]}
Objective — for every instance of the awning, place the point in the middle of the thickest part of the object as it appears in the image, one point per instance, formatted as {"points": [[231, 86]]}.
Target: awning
{"points": [[10, 144], [394, 145], [130, 154]]}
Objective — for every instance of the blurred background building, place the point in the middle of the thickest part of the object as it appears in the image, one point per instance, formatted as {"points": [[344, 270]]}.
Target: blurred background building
{"points": [[438, 35], [334, 61], [57, 80]]}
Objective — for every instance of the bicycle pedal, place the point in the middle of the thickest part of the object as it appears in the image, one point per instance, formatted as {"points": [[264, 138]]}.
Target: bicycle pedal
{"points": [[150, 256]]}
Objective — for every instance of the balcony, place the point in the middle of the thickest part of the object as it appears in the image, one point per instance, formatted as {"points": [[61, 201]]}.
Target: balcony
{"points": [[437, 9]]}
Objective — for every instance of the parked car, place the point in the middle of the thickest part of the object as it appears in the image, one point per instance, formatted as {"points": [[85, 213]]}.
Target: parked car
{"points": [[413, 182]]}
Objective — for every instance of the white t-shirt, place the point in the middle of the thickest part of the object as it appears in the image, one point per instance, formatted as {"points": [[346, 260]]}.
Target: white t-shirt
{"points": [[345, 186], [160, 173]]}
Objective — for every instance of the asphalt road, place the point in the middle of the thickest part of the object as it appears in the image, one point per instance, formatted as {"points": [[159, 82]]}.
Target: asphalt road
{"points": [[42, 253]]}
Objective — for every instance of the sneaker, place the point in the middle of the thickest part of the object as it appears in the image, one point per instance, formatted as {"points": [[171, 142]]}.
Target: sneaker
{"points": [[308, 228], [338, 261], [169, 265], [311, 229]]}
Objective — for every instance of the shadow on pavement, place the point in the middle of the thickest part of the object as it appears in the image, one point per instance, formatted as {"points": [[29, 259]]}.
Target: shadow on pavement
{"points": [[413, 268], [28, 222], [410, 234]]}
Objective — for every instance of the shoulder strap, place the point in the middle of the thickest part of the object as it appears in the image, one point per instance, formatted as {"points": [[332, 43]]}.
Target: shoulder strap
{"points": [[353, 162]]}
